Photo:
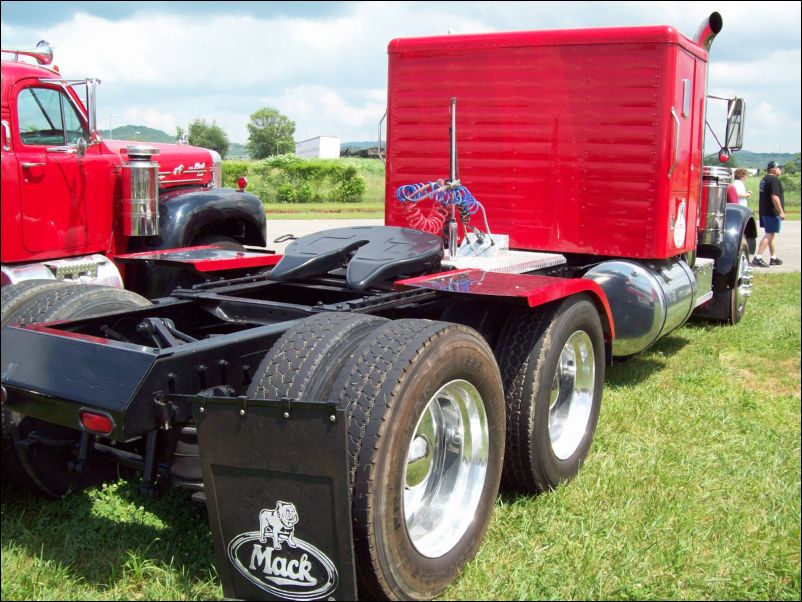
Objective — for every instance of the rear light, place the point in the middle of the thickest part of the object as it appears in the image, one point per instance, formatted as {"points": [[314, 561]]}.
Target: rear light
{"points": [[97, 423], [242, 182]]}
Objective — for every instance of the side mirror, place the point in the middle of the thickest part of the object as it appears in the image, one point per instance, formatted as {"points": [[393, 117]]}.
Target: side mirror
{"points": [[81, 147], [736, 112]]}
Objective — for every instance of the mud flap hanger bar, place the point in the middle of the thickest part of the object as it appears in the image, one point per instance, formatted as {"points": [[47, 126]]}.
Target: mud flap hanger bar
{"points": [[276, 479]]}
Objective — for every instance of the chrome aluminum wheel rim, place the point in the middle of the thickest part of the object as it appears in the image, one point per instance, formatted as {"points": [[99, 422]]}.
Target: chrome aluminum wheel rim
{"points": [[572, 395], [446, 468], [743, 283]]}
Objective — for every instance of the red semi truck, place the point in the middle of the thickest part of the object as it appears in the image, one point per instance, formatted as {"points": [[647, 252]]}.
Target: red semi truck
{"points": [[73, 202], [348, 414]]}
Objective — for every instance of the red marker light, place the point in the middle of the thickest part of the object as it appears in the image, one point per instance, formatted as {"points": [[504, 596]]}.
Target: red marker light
{"points": [[242, 182], [97, 423]]}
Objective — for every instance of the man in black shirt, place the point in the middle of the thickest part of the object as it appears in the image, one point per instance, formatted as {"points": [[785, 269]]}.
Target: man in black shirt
{"points": [[772, 212]]}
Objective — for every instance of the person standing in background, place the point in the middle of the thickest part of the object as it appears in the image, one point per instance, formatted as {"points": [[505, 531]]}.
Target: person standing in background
{"points": [[772, 212], [739, 178]]}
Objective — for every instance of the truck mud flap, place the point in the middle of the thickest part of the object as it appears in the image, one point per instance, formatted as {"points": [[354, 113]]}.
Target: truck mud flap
{"points": [[275, 477]]}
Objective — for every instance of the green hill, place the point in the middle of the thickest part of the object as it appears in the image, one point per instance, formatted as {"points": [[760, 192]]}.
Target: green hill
{"points": [[747, 158], [138, 133]]}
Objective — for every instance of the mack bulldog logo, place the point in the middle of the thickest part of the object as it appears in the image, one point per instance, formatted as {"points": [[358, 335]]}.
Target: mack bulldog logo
{"points": [[275, 560]]}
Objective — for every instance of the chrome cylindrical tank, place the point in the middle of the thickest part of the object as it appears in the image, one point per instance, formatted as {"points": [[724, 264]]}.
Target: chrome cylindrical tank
{"points": [[647, 301], [140, 192], [715, 181]]}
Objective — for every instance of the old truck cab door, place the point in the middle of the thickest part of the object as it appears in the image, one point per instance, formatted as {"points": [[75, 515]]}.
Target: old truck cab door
{"points": [[64, 210]]}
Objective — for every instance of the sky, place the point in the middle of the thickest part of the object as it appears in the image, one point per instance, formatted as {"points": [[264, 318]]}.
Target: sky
{"points": [[324, 64]]}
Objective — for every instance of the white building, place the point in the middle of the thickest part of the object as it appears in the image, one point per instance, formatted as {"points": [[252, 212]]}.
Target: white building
{"points": [[322, 147]]}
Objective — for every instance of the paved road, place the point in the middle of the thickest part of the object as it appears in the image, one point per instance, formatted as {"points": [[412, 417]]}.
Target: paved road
{"points": [[297, 227], [789, 248], [789, 240]]}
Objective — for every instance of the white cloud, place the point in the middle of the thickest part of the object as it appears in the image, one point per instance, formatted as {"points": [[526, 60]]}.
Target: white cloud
{"points": [[329, 73]]}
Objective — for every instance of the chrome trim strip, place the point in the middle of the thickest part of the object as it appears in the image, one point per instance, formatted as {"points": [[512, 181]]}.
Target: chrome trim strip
{"points": [[7, 132]]}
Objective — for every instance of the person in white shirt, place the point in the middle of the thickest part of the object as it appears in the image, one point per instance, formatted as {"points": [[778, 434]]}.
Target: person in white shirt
{"points": [[740, 186]]}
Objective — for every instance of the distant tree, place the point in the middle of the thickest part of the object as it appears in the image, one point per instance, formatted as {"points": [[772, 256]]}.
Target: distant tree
{"points": [[270, 133], [208, 135], [792, 166], [179, 132]]}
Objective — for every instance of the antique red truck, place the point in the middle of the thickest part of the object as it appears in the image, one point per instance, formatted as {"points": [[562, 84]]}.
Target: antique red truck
{"points": [[348, 411], [73, 202]]}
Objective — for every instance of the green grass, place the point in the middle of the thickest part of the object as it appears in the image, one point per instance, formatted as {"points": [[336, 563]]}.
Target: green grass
{"points": [[371, 205], [364, 210], [692, 488], [691, 491]]}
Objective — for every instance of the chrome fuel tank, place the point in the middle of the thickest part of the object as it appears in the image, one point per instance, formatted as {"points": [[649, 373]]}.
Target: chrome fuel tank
{"points": [[715, 181], [647, 300]]}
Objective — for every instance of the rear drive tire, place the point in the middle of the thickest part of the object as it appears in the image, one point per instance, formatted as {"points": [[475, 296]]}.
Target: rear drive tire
{"points": [[16, 295], [219, 240], [303, 363], [26, 460], [552, 366], [72, 302], [486, 318], [425, 429]]}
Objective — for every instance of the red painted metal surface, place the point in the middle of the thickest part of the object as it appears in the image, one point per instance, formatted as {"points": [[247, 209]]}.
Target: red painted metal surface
{"points": [[206, 258], [566, 137], [58, 205], [537, 290]]}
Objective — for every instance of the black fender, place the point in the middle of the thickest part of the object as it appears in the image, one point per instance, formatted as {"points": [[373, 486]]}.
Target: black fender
{"points": [[185, 216], [739, 222]]}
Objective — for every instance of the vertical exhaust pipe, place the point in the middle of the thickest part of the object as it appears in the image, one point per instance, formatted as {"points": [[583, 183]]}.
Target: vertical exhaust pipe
{"points": [[140, 175], [708, 30]]}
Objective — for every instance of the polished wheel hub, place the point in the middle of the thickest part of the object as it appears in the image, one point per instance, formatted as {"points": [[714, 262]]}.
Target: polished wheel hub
{"points": [[446, 468], [743, 283], [572, 395]]}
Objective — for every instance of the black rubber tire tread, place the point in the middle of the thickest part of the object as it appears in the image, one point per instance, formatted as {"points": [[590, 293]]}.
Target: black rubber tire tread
{"points": [[14, 296], [77, 301], [525, 345], [302, 364], [486, 318], [46, 305], [222, 241], [371, 386], [521, 329]]}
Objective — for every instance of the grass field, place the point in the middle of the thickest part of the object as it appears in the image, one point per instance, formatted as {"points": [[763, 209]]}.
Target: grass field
{"points": [[691, 492], [363, 210]]}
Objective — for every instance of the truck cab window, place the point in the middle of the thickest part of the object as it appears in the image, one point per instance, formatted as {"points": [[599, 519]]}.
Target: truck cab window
{"points": [[47, 118]]}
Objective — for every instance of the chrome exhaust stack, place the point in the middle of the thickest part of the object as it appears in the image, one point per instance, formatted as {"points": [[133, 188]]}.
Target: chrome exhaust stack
{"points": [[708, 30], [140, 175]]}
